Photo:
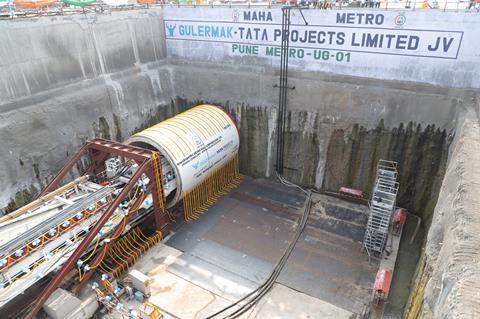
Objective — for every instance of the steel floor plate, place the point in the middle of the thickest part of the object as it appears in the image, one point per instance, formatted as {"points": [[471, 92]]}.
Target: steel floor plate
{"points": [[237, 242]]}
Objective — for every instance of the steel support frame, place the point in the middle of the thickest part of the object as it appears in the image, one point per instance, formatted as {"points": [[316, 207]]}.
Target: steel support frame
{"points": [[116, 233], [100, 149], [95, 147], [160, 221], [160, 215]]}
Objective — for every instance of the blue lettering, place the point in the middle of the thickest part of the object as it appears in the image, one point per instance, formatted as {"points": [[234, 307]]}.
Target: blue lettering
{"points": [[360, 18], [205, 31], [401, 42], [257, 16], [354, 44], [413, 42], [215, 32], [372, 40], [276, 33], [351, 18]]}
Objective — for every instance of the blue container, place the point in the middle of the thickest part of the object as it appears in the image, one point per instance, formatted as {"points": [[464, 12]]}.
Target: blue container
{"points": [[139, 296]]}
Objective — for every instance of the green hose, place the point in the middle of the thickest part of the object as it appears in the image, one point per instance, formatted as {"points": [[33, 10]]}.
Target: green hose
{"points": [[79, 3]]}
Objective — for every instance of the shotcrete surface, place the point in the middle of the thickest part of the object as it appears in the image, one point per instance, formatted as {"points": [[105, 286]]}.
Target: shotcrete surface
{"points": [[452, 250]]}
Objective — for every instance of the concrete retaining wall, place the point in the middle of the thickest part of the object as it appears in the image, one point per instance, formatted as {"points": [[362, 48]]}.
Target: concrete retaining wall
{"points": [[337, 127], [420, 46], [44, 53], [66, 79]]}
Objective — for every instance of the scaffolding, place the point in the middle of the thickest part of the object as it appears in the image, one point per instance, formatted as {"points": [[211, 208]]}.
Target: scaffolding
{"points": [[382, 205]]}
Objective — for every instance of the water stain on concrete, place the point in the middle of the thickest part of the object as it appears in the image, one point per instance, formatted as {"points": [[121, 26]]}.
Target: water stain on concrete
{"points": [[421, 154]]}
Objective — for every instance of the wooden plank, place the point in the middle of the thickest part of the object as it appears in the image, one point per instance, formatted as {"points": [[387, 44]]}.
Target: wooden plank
{"points": [[43, 199]]}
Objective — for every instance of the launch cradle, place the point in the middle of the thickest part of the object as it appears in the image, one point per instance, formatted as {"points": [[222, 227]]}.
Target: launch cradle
{"points": [[173, 170]]}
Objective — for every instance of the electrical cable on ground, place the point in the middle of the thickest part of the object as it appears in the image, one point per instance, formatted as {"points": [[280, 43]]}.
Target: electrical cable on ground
{"points": [[253, 297]]}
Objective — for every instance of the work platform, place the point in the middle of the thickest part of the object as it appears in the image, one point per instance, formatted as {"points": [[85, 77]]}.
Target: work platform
{"points": [[210, 263]]}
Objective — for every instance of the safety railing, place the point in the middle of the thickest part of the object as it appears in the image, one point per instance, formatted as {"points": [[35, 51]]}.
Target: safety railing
{"points": [[16, 9], [457, 5]]}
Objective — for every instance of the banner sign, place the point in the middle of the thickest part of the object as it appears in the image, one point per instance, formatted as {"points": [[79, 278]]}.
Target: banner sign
{"points": [[379, 44]]}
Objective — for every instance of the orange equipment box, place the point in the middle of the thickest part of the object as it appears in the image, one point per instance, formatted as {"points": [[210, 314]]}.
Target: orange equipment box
{"points": [[350, 192]]}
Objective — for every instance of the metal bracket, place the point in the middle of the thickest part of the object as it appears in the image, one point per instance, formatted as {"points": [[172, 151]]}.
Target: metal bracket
{"points": [[286, 87]]}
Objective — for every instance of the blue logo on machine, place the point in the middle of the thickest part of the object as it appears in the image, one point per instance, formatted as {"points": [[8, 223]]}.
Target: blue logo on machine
{"points": [[201, 163]]}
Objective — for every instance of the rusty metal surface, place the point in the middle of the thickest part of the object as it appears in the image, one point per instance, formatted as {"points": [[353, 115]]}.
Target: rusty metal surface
{"points": [[253, 231], [271, 191], [255, 223]]}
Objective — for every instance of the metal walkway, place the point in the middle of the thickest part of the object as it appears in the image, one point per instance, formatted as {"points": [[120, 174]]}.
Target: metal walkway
{"points": [[382, 205]]}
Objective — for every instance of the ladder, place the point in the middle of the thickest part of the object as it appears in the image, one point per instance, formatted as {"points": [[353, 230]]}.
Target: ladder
{"points": [[381, 207]]}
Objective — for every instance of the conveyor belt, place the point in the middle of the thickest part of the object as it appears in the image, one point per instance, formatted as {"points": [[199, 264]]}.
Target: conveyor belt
{"points": [[55, 220]]}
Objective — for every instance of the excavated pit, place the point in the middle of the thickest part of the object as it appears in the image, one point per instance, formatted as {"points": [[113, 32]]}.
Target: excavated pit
{"points": [[337, 128], [235, 245]]}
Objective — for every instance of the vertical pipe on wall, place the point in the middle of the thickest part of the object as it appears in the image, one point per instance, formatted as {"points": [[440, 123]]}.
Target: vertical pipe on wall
{"points": [[283, 86]]}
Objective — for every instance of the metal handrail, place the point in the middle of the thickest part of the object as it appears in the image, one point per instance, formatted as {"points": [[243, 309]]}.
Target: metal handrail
{"points": [[11, 11]]}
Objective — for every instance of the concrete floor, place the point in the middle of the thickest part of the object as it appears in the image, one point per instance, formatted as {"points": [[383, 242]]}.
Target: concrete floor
{"points": [[232, 248]]}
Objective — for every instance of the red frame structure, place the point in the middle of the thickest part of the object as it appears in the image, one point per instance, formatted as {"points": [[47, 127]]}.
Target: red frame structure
{"points": [[381, 287], [399, 220], [100, 150]]}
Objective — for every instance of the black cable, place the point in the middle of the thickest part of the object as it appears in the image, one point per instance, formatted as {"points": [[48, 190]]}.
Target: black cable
{"points": [[260, 291], [271, 281], [122, 170]]}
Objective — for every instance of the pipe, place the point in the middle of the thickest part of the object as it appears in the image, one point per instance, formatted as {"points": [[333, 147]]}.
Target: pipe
{"points": [[419, 221], [43, 199]]}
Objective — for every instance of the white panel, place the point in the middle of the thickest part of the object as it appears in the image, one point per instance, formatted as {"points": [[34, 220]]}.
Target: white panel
{"points": [[424, 46], [196, 142]]}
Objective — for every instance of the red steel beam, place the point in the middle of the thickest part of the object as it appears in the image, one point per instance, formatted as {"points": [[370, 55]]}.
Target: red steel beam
{"points": [[138, 154], [160, 223], [158, 212], [65, 169], [68, 265], [107, 246]]}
